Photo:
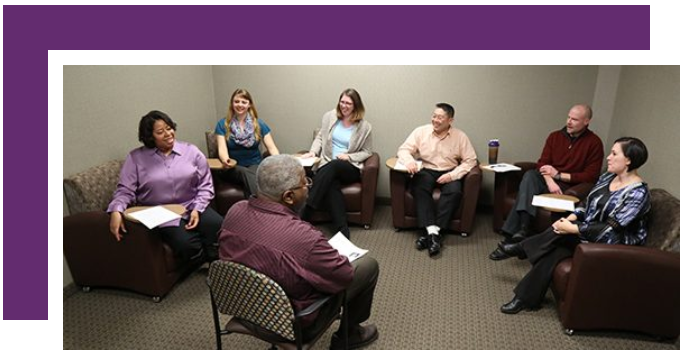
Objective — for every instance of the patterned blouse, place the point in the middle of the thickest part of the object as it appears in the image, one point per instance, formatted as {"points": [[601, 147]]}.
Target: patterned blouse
{"points": [[619, 219]]}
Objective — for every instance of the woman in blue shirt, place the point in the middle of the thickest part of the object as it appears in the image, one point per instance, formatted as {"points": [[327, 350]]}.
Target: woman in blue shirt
{"points": [[239, 136], [343, 144], [615, 213]]}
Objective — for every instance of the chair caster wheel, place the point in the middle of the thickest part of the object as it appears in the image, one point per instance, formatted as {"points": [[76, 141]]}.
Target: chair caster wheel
{"points": [[86, 289], [569, 332], [464, 234], [366, 227], [156, 299]]}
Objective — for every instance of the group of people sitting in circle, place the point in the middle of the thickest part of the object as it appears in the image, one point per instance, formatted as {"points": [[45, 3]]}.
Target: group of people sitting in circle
{"points": [[269, 233]]}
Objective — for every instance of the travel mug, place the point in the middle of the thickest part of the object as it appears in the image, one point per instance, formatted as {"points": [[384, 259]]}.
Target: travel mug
{"points": [[493, 148]]}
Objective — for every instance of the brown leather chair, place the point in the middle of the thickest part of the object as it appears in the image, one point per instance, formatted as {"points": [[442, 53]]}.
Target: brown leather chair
{"points": [[226, 193], [404, 208], [360, 197], [141, 262], [506, 190], [617, 287]]}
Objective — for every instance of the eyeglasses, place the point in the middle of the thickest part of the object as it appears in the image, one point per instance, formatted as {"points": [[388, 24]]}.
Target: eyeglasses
{"points": [[308, 184]]}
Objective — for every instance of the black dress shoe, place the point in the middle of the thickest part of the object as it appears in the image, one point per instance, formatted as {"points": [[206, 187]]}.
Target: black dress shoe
{"points": [[512, 250], [497, 254], [514, 306], [423, 242], [435, 246], [519, 236], [361, 337]]}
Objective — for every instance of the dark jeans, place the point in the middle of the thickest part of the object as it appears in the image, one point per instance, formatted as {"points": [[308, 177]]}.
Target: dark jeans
{"points": [[359, 296], [422, 186], [326, 191], [195, 243], [544, 251]]}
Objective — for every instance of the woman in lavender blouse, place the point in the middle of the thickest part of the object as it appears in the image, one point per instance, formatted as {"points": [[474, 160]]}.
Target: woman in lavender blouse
{"points": [[166, 171], [615, 212]]}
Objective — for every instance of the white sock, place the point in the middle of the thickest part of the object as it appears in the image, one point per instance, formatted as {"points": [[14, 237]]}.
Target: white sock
{"points": [[433, 230]]}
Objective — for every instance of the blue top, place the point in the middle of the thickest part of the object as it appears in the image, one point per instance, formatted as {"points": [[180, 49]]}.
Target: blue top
{"points": [[243, 156], [619, 219], [340, 139]]}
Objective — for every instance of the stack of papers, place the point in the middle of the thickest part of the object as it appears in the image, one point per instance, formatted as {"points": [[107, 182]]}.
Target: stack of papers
{"points": [[553, 203], [154, 216], [401, 167], [501, 167], [306, 162], [346, 248]]}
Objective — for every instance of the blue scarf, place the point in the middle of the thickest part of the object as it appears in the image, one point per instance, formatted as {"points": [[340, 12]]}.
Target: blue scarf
{"points": [[245, 137]]}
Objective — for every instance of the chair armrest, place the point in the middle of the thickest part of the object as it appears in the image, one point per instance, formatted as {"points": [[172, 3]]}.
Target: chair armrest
{"points": [[615, 267], [369, 185], [580, 190], [630, 283], [471, 192], [97, 259], [313, 307]]}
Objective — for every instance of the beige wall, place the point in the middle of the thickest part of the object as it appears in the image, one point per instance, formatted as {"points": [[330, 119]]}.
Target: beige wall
{"points": [[519, 105], [647, 107], [103, 105]]}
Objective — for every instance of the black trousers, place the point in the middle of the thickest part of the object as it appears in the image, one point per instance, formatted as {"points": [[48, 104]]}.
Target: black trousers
{"points": [[199, 242], [422, 186], [532, 184], [359, 295], [326, 191], [245, 176], [544, 251]]}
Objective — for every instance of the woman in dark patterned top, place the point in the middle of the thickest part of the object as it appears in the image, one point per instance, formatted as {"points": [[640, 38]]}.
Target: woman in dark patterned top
{"points": [[614, 213]]}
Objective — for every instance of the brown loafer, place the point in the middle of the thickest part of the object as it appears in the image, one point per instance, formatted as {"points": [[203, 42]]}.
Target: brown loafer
{"points": [[361, 337]]}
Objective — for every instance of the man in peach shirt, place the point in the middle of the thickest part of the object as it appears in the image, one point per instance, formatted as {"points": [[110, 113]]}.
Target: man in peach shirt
{"points": [[447, 155]]}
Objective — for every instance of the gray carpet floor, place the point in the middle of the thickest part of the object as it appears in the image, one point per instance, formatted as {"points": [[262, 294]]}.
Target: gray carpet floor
{"points": [[451, 302]]}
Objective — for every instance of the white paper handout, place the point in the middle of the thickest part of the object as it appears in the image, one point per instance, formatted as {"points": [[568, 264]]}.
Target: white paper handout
{"points": [[401, 167], [154, 216], [306, 162], [501, 167], [553, 203], [346, 248]]}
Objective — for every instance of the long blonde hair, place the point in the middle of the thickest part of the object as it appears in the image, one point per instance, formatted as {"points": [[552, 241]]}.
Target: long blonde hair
{"points": [[251, 110]]}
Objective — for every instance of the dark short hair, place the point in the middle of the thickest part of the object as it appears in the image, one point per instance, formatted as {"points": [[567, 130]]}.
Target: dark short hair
{"points": [[635, 150], [145, 133], [449, 110]]}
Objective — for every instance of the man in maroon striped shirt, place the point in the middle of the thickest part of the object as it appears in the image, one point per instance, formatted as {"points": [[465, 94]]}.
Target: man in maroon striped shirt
{"points": [[265, 233]]}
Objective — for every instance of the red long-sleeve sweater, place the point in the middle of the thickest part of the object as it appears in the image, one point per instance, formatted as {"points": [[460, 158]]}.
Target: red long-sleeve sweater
{"points": [[581, 157]]}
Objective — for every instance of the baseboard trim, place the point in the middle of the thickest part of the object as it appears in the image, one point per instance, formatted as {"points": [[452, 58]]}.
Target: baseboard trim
{"points": [[70, 290]]}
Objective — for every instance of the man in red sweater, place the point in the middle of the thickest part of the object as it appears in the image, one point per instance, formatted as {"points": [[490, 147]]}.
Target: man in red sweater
{"points": [[571, 155], [266, 234]]}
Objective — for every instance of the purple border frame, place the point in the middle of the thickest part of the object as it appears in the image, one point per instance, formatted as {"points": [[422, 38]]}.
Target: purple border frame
{"points": [[29, 31]]}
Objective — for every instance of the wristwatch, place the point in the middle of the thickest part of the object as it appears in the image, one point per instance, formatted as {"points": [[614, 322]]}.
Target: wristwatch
{"points": [[557, 177]]}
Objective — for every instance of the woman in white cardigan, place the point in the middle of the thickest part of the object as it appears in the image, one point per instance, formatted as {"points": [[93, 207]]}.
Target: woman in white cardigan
{"points": [[343, 144]]}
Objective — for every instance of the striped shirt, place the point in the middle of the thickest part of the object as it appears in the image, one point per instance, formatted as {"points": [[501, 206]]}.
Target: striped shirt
{"points": [[621, 219], [270, 238]]}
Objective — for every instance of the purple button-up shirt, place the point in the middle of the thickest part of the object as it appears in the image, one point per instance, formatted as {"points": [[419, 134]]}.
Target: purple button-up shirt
{"points": [[149, 177]]}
